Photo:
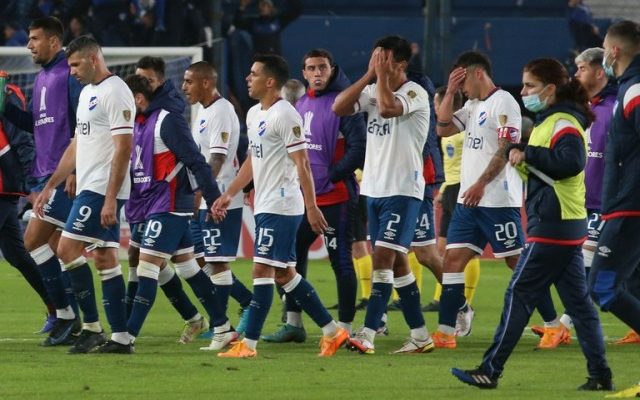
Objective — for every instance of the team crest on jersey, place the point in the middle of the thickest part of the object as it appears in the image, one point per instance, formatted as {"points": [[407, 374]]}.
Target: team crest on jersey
{"points": [[482, 118], [93, 102], [297, 132], [203, 125], [127, 115], [450, 150], [502, 119], [262, 128], [411, 94], [224, 136]]}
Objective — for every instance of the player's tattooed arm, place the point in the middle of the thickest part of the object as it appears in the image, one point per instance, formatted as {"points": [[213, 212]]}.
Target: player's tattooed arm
{"points": [[216, 161], [472, 196]]}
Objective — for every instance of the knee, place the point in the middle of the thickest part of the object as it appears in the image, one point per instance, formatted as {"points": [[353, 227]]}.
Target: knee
{"points": [[603, 288], [284, 276]]}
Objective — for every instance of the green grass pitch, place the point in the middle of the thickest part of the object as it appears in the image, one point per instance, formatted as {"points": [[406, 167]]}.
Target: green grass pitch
{"points": [[163, 369]]}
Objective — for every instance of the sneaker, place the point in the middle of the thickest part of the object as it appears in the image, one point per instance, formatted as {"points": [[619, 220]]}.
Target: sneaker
{"points": [[193, 329], [463, 322], [394, 306], [221, 340], [87, 341], [597, 384], [112, 347], [244, 320], [287, 333], [361, 344], [49, 322], [329, 345], [239, 350], [630, 338], [633, 391], [362, 305], [475, 377], [553, 337], [383, 330], [443, 341], [64, 331], [434, 306], [538, 330], [416, 346]]}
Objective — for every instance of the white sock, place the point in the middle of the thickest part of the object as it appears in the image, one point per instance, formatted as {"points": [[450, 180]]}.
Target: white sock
{"points": [[294, 318], [195, 318], [65, 313], [222, 328], [566, 321], [449, 330], [369, 334], [92, 326], [346, 325], [587, 255], [250, 343], [330, 329], [552, 324], [121, 337], [420, 334], [208, 269]]}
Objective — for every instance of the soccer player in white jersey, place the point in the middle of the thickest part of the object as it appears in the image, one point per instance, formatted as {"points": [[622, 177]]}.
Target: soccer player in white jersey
{"points": [[281, 173], [217, 131], [392, 179], [99, 153], [490, 196]]}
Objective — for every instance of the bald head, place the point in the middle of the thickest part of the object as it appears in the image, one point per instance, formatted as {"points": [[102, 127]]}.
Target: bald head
{"points": [[204, 70], [199, 83]]}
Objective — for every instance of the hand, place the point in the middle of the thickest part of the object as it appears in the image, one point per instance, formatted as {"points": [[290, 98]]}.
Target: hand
{"points": [[516, 156], [219, 207], [472, 196], [41, 200], [438, 198], [31, 197], [383, 64], [316, 220], [108, 215], [70, 186], [456, 80], [372, 62]]}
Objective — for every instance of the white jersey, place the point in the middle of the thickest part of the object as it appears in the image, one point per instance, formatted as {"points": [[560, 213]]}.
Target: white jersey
{"points": [[273, 134], [216, 131], [484, 121], [104, 110], [393, 164]]}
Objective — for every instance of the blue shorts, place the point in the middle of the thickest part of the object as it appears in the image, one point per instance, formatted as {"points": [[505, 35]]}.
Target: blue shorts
{"points": [[594, 227], [137, 230], [392, 221], [275, 242], [474, 227], [57, 209], [195, 225], [220, 241], [166, 235], [425, 233], [83, 223]]}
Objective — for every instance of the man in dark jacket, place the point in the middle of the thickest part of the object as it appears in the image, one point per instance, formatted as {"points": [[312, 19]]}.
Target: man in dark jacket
{"points": [[16, 147], [336, 147]]}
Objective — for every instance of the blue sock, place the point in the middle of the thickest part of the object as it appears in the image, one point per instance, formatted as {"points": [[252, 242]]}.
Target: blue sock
{"points": [[113, 293], [347, 284], [410, 301], [308, 299], [178, 298], [240, 293], [451, 300], [546, 308], [222, 294], [206, 293], [82, 283], [258, 309], [53, 282], [71, 298], [146, 295], [380, 294], [132, 288]]}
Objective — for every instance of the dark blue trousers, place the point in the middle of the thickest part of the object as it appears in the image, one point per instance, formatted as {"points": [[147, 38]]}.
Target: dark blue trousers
{"points": [[540, 266]]}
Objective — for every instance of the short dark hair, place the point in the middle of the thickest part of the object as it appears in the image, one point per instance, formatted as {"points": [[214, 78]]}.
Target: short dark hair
{"points": [[399, 46], [317, 53], [50, 25], [628, 31], [139, 84], [275, 66], [474, 59], [153, 63], [203, 69], [82, 43]]}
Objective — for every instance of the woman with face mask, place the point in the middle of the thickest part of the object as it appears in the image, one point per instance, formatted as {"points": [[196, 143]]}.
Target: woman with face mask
{"points": [[552, 165]]}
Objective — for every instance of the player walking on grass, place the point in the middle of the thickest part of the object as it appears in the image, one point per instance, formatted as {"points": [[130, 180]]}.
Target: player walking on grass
{"points": [[52, 119], [557, 222], [281, 173], [393, 181], [100, 155]]}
